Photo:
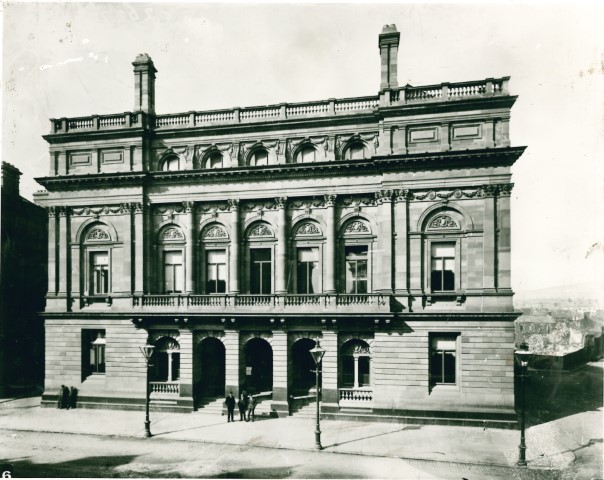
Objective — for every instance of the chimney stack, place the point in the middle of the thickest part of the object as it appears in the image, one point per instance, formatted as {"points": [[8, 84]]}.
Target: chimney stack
{"points": [[389, 40], [144, 84], [10, 179]]}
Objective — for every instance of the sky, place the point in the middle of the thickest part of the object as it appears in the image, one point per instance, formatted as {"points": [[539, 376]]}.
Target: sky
{"points": [[74, 59]]}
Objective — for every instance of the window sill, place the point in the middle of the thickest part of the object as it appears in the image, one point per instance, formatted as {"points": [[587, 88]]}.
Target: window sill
{"points": [[444, 389], [90, 299], [432, 298]]}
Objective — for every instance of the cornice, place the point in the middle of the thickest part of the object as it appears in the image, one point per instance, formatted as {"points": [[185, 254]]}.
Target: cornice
{"points": [[377, 165]]}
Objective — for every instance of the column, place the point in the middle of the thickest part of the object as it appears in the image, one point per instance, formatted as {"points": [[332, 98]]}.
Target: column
{"points": [[489, 245], [401, 233], [330, 244], [231, 345], [63, 257], [383, 258], [356, 371], [186, 368], [190, 247], [330, 393], [138, 260], [503, 238], [52, 251], [235, 248], [281, 249], [280, 364], [127, 283]]}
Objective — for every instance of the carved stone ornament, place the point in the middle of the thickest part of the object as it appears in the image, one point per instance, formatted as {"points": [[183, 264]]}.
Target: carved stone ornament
{"points": [[215, 232], [98, 234], [308, 229], [442, 222], [357, 227], [360, 349], [261, 231], [172, 234]]}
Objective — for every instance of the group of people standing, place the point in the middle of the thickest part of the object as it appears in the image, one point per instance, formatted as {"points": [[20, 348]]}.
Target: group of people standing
{"points": [[247, 406], [68, 397]]}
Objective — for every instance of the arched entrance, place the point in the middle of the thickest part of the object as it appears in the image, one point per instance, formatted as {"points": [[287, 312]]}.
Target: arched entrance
{"points": [[258, 367], [303, 366], [212, 361]]}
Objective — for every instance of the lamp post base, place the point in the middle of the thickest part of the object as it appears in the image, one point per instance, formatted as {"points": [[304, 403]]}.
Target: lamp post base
{"points": [[522, 456], [318, 440], [148, 429]]}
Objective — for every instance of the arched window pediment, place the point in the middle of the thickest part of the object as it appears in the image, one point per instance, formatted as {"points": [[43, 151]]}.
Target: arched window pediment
{"points": [[356, 347], [215, 232], [172, 234], [170, 163], [260, 230], [355, 150], [443, 222], [308, 229], [307, 153], [98, 234], [166, 343], [357, 227]]}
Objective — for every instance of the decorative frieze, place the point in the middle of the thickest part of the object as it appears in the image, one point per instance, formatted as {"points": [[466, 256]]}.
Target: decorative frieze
{"points": [[261, 230], [215, 232], [443, 222], [308, 228], [356, 228], [171, 234], [98, 234]]}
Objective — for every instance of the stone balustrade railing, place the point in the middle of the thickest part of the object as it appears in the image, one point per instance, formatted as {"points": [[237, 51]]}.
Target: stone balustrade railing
{"points": [[445, 92], [356, 397], [274, 303], [164, 388]]}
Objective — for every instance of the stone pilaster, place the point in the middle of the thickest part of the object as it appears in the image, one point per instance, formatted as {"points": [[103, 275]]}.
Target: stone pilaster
{"points": [[330, 244], [281, 247], [63, 256], [401, 233], [504, 280], [383, 259], [231, 344], [329, 368], [186, 367], [489, 245], [280, 392], [138, 260], [52, 251], [189, 208], [235, 247]]}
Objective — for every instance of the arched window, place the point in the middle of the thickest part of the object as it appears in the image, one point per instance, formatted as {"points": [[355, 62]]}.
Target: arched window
{"points": [[356, 239], [97, 247], [261, 240], [308, 240], [165, 361], [215, 242], [355, 151], [307, 154], [214, 160], [356, 364], [259, 157], [171, 164], [171, 252]]}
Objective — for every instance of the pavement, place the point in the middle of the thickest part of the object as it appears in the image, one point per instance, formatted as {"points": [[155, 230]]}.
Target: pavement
{"points": [[547, 446]]}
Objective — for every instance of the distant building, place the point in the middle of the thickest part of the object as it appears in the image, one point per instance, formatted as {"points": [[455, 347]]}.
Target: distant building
{"points": [[22, 286], [234, 239]]}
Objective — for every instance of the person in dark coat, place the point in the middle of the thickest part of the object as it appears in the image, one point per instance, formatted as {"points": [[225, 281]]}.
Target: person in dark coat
{"points": [[230, 404], [251, 408], [60, 397], [242, 404], [64, 397], [73, 397]]}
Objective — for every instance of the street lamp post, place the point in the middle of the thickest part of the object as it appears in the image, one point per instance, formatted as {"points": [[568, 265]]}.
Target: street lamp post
{"points": [[317, 355], [147, 351], [523, 355]]}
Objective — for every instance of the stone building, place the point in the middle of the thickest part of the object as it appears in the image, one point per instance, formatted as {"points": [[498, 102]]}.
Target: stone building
{"points": [[22, 287], [234, 239]]}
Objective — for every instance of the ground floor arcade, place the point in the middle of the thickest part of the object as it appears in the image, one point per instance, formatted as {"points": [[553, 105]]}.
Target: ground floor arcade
{"points": [[390, 366]]}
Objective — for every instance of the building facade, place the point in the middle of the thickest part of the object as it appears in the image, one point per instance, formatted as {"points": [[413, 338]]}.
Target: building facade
{"points": [[234, 239], [22, 287]]}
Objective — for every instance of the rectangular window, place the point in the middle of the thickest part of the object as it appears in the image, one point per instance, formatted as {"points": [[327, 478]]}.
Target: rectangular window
{"points": [[216, 271], [443, 359], [93, 352], [260, 271], [443, 267], [99, 273], [173, 272], [356, 269], [308, 270]]}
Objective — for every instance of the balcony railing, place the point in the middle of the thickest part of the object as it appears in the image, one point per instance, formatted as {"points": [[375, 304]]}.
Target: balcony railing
{"points": [[356, 397], [445, 92], [163, 389], [274, 303]]}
